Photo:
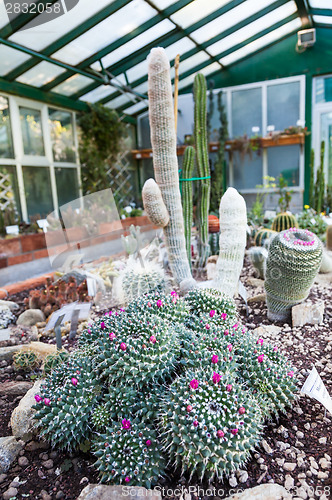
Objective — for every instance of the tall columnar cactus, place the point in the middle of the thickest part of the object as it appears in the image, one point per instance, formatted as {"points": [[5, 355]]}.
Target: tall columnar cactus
{"points": [[329, 237], [154, 204], [320, 181], [293, 261], [284, 221], [232, 242], [163, 140], [187, 196], [203, 168], [312, 179]]}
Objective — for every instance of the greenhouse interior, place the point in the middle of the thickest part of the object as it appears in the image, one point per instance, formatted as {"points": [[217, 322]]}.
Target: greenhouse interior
{"points": [[166, 249]]}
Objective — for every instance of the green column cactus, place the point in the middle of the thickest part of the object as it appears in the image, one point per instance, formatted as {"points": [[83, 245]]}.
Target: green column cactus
{"points": [[293, 261], [187, 196], [202, 161]]}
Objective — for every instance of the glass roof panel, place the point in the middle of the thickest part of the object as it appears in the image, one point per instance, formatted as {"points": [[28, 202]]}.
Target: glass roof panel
{"points": [[229, 19], [196, 10], [261, 42], [10, 58], [39, 37], [163, 4], [186, 81], [320, 4], [253, 28], [120, 101], [137, 42], [114, 27], [180, 47], [142, 89], [323, 19], [137, 71], [98, 93], [136, 108], [192, 61], [72, 85], [41, 74], [210, 69]]}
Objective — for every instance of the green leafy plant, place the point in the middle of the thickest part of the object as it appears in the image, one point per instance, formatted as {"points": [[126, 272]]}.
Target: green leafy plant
{"points": [[285, 194], [310, 219], [256, 214]]}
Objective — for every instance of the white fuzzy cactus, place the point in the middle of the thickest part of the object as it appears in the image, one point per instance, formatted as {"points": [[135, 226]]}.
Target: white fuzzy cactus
{"points": [[232, 241], [154, 204], [165, 163]]}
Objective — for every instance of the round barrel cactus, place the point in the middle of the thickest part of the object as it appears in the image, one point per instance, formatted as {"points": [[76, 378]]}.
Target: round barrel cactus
{"points": [[284, 221], [293, 261], [262, 235]]}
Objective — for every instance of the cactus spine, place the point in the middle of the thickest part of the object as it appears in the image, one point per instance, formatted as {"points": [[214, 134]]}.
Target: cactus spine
{"points": [[154, 204], [284, 221], [163, 140], [232, 241], [187, 196], [293, 261], [202, 160]]}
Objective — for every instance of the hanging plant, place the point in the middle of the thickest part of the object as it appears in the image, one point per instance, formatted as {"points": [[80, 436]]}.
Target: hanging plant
{"points": [[100, 137]]}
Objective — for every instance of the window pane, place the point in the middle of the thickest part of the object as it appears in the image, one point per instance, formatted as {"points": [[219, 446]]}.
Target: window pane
{"points": [[66, 185], [247, 112], [283, 105], [323, 89], [285, 160], [9, 194], [247, 171], [32, 133], [62, 135], [6, 142], [38, 193], [41, 74]]}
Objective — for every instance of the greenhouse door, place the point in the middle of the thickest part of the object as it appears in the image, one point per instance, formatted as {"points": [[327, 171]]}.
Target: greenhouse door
{"points": [[322, 124]]}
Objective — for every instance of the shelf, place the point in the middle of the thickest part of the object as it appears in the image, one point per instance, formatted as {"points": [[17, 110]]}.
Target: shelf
{"points": [[232, 145]]}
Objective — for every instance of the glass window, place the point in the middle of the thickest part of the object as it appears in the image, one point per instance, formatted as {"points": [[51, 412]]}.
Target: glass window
{"points": [[33, 142], [6, 142], [320, 4], [283, 105], [10, 59], [72, 85], [38, 192], [247, 112], [247, 171], [322, 19], [41, 74], [323, 89], [9, 193], [62, 135], [285, 160], [195, 11], [66, 184]]}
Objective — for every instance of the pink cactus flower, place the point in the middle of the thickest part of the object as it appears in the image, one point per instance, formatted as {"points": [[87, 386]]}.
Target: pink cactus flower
{"points": [[38, 398], [242, 410], [212, 313], [290, 373], [234, 431], [174, 300], [220, 434], [127, 479], [47, 402], [226, 332], [216, 378], [153, 339], [112, 336], [126, 424], [149, 304], [230, 347], [195, 423], [207, 327], [260, 358], [123, 346], [74, 381], [89, 331], [148, 442], [275, 349], [214, 359], [260, 341], [223, 316], [102, 325], [159, 303], [229, 387], [236, 325], [173, 293], [194, 383], [189, 408]]}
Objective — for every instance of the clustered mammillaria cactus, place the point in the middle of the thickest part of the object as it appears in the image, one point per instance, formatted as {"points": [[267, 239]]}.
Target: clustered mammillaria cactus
{"points": [[183, 374]]}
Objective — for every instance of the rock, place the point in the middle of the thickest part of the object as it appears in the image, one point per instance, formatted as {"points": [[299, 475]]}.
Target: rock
{"points": [[48, 464], [266, 447], [308, 313], [59, 495], [232, 481], [8, 303], [257, 298], [30, 317], [243, 476], [9, 449], [45, 496], [289, 466], [326, 265], [289, 482], [23, 462], [322, 475], [36, 445], [324, 463], [211, 269], [4, 334], [3, 478], [10, 493], [266, 330], [6, 353], [268, 491], [15, 388], [103, 492], [21, 419], [255, 282], [322, 440], [41, 349]]}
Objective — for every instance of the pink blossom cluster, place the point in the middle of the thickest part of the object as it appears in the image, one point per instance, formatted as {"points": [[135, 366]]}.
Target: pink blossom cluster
{"points": [[298, 241]]}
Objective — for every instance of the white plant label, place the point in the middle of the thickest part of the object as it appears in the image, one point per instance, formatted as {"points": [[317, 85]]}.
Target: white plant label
{"points": [[315, 388], [67, 312], [92, 287], [270, 214], [12, 229]]}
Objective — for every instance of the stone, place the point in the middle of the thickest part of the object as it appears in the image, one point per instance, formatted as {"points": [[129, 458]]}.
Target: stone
{"points": [[243, 476], [23, 462], [326, 265], [289, 482], [268, 491], [10, 493], [103, 492], [322, 475], [30, 317], [7, 353], [261, 297], [324, 464], [3, 478], [4, 334], [255, 282], [322, 440], [48, 464], [308, 313], [9, 450], [266, 330], [36, 445], [266, 447], [289, 466], [15, 388], [41, 349], [45, 496], [21, 420], [232, 481], [10, 304], [211, 270]]}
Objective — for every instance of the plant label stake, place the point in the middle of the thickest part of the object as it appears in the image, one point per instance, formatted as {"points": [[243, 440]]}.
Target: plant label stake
{"points": [[315, 388], [57, 329], [73, 324]]}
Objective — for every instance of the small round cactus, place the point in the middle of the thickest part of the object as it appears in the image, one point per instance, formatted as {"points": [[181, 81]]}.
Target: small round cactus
{"points": [[210, 300], [284, 221], [263, 235], [53, 360], [26, 360]]}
